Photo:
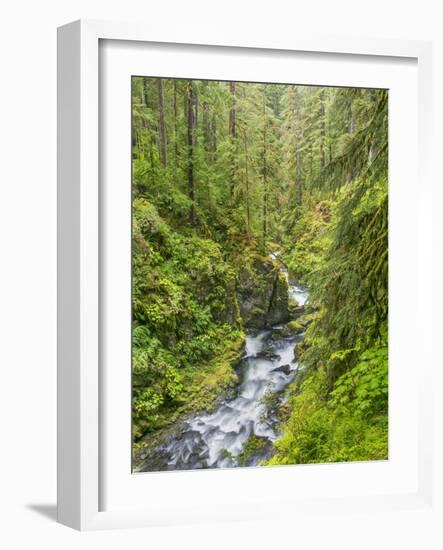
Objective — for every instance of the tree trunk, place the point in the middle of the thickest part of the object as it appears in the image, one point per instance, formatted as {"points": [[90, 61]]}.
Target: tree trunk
{"points": [[264, 175], [351, 127], [351, 130], [175, 125], [161, 121], [145, 91], [322, 132], [298, 177], [232, 132], [311, 161], [214, 136], [248, 210], [207, 148], [195, 117], [206, 128], [232, 123], [190, 134], [142, 94], [298, 156]]}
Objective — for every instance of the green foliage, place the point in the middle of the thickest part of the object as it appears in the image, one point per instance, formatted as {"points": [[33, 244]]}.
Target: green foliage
{"points": [[340, 410], [347, 424], [307, 238], [363, 390], [185, 315], [223, 173], [350, 286]]}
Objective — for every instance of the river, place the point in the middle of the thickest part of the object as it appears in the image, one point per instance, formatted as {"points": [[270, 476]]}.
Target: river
{"points": [[217, 440]]}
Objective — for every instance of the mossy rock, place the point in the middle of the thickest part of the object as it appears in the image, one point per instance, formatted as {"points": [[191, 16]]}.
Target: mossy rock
{"points": [[290, 329], [278, 307], [285, 369], [295, 310], [306, 320], [256, 283]]}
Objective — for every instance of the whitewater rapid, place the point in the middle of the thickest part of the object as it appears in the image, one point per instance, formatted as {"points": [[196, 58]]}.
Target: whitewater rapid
{"points": [[216, 440]]}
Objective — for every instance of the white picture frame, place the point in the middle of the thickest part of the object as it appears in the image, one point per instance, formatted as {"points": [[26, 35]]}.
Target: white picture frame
{"points": [[81, 464]]}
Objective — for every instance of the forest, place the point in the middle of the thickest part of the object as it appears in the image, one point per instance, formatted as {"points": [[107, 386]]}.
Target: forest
{"points": [[260, 274]]}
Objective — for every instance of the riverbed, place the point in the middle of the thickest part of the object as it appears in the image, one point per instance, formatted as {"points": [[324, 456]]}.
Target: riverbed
{"points": [[218, 439]]}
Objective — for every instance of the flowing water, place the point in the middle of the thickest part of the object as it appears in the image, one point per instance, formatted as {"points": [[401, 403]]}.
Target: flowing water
{"points": [[215, 440]]}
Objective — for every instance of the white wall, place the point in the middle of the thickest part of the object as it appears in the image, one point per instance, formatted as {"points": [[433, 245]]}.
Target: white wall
{"points": [[28, 267]]}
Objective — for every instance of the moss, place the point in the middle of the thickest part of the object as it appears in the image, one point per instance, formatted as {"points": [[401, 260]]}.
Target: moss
{"points": [[307, 319], [255, 287], [290, 329], [203, 388], [311, 242], [349, 423], [210, 381], [228, 454], [294, 327], [186, 321], [252, 446], [206, 382], [278, 307]]}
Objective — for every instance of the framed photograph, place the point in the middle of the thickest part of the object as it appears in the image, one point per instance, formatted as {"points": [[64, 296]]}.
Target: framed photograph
{"points": [[236, 299]]}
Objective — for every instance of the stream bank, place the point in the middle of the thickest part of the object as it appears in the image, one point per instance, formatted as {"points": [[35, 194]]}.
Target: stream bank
{"points": [[242, 428]]}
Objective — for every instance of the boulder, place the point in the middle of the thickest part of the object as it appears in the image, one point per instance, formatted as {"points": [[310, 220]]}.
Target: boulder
{"points": [[269, 354], [255, 288], [286, 369], [295, 310], [278, 306], [292, 328]]}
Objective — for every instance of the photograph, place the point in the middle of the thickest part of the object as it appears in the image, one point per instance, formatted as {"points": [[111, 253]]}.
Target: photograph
{"points": [[222, 275], [259, 274]]}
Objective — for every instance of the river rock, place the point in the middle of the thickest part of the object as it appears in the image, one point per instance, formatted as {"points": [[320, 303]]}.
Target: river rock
{"points": [[295, 310], [286, 369], [269, 350], [292, 328], [269, 354]]}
